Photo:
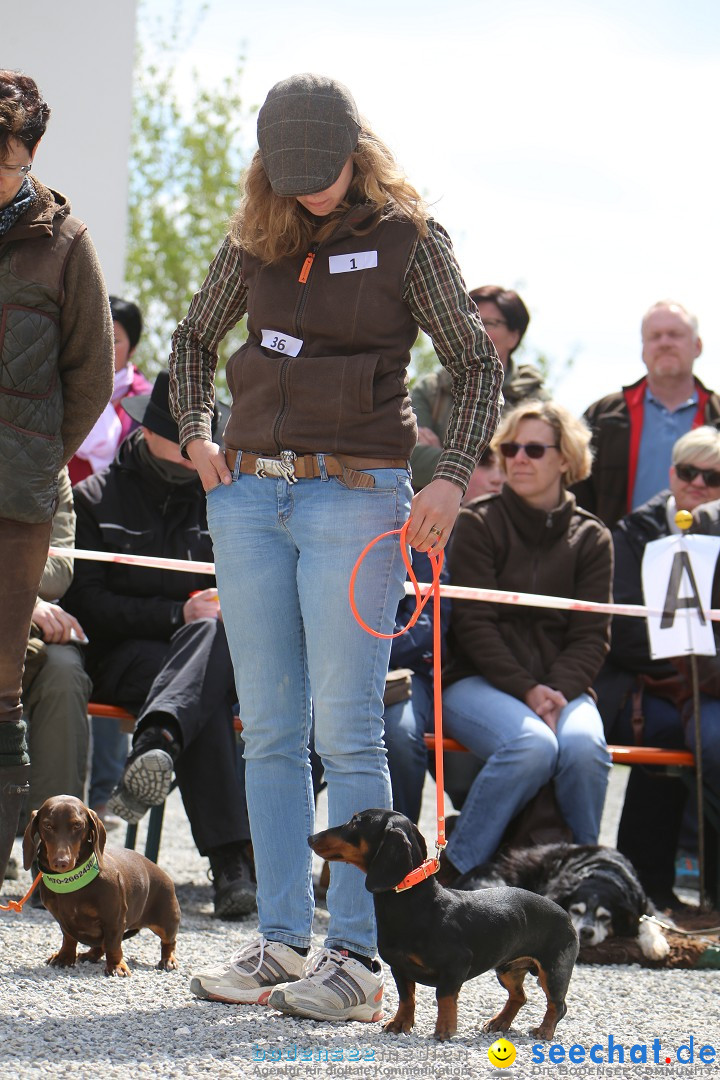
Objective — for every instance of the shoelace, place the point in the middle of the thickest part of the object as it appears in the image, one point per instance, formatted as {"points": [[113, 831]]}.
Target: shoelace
{"points": [[319, 959], [246, 953]]}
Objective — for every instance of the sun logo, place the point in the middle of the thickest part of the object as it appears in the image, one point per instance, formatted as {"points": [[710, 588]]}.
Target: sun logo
{"points": [[501, 1054]]}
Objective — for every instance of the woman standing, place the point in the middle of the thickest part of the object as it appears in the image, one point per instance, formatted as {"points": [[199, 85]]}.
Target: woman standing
{"points": [[519, 678], [334, 260]]}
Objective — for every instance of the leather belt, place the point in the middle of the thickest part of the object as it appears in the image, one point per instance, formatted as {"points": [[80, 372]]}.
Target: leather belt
{"points": [[293, 467]]}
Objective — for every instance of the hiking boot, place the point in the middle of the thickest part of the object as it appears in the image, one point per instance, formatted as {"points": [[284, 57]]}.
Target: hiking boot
{"points": [[14, 786], [335, 987], [126, 806], [251, 974], [148, 773], [233, 878]]}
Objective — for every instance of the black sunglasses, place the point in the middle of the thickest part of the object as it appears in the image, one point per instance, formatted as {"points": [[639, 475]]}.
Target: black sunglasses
{"points": [[533, 450], [688, 473]]}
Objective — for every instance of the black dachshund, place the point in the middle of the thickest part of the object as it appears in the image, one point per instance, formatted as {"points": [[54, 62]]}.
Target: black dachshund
{"points": [[443, 937]]}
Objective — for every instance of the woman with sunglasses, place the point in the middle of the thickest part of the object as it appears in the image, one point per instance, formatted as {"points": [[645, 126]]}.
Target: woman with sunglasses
{"points": [[517, 686], [634, 688]]}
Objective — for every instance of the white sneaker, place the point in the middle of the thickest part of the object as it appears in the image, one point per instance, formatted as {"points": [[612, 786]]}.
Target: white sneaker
{"points": [[251, 974], [335, 987]]}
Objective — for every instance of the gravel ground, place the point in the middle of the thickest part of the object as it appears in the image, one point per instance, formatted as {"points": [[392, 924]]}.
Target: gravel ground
{"points": [[78, 1024]]}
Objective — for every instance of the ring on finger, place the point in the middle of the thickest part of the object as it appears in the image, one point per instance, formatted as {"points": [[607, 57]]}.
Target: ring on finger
{"points": [[438, 532]]}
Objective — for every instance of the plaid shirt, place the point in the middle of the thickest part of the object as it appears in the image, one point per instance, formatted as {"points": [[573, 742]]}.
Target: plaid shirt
{"points": [[437, 298]]}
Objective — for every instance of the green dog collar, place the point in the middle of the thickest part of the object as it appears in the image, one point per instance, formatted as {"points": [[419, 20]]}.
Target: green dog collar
{"points": [[73, 879]]}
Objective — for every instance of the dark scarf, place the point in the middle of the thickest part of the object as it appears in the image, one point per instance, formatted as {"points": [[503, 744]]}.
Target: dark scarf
{"points": [[24, 199], [168, 471]]}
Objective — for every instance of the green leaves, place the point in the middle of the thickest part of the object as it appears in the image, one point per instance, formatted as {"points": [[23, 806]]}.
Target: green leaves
{"points": [[187, 158]]}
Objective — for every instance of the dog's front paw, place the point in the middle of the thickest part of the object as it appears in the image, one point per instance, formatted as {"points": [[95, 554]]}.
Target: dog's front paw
{"points": [[653, 942], [444, 1034], [496, 1023], [61, 959], [167, 964], [544, 1031], [399, 1025], [121, 970]]}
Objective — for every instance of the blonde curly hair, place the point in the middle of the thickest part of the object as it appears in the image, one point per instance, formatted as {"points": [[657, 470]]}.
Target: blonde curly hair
{"points": [[273, 227]]}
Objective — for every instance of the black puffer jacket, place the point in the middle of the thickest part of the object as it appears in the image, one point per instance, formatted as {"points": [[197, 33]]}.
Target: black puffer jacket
{"points": [[129, 508], [629, 646]]}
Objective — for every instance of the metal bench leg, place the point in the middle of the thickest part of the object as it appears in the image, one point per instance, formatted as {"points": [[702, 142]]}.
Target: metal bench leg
{"points": [[131, 836], [155, 824]]}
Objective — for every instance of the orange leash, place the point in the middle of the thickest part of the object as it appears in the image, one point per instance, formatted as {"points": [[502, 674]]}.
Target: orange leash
{"points": [[434, 591], [17, 905]]}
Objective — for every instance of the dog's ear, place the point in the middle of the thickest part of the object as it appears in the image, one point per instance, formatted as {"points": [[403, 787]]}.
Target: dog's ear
{"points": [[420, 841], [625, 922], [97, 835], [392, 861], [31, 841]]}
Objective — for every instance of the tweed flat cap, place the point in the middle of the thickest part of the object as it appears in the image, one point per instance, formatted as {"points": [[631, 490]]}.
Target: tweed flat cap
{"points": [[307, 129]]}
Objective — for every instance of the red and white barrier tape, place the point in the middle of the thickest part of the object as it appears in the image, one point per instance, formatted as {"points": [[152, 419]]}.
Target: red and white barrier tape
{"points": [[458, 592]]}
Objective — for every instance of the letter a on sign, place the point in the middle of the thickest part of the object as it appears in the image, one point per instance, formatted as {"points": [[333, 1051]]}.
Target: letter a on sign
{"points": [[677, 577]]}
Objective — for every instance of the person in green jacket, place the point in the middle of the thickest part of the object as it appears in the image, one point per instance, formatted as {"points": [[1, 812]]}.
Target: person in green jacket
{"points": [[56, 376]]}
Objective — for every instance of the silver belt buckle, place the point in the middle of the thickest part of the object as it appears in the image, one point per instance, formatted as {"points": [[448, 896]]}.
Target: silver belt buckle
{"points": [[284, 467]]}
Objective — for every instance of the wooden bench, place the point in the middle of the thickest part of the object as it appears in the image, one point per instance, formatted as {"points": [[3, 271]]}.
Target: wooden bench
{"points": [[674, 762], [126, 720], [621, 755]]}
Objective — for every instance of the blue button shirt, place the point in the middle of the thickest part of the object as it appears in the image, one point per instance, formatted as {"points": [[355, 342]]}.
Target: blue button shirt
{"points": [[660, 431]]}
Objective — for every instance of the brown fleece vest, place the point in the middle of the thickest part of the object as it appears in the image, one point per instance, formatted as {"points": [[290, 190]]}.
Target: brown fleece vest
{"points": [[346, 389]]}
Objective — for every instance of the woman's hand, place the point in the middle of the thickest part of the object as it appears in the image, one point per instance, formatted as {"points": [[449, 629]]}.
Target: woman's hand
{"points": [[432, 516], [547, 703], [209, 460]]}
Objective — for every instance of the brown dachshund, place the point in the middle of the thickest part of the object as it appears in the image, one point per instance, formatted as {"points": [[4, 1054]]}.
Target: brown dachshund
{"points": [[443, 937], [105, 895]]}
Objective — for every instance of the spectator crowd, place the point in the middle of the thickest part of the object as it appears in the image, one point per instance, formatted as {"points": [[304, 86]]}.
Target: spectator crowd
{"points": [[557, 504]]}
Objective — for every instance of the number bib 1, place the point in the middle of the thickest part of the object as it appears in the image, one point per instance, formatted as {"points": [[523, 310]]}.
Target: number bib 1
{"points": [[281, 343], [359, 260]]}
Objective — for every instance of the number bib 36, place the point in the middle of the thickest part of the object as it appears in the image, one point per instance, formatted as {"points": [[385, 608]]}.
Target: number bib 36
{"points": [[281, 343]]}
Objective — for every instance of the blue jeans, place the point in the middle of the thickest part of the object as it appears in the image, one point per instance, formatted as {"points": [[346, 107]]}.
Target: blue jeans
{"points": [[521, 754], [284, 554], [405, 726], [109, 752]]}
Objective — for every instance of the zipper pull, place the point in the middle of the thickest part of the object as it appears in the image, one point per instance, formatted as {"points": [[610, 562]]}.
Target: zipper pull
{"points": [[307, 267]]}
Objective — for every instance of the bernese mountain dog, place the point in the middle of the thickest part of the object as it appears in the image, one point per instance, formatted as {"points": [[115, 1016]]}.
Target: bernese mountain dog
{"points": [[596, 885]]}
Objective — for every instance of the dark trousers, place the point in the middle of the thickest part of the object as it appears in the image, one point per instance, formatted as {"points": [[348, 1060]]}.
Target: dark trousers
{"points": [[652, 813], [189, 678], [23, 552]]}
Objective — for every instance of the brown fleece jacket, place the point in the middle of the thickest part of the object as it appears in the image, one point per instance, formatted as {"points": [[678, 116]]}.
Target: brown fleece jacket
{"points": [[501, 542]]}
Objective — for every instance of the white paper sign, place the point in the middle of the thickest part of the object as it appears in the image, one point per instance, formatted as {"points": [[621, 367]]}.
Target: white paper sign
{"points": [[282, 343], [359, 260], [677, 577]]}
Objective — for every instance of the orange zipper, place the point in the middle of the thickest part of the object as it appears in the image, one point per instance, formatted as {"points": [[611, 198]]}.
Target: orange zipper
{"points": [[306, 267]]}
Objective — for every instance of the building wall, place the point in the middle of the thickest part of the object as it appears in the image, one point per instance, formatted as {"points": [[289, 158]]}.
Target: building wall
{"points": [[81, 56]]}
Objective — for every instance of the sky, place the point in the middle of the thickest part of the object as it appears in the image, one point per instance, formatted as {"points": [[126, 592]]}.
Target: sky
{"points": [[569, 147]]}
